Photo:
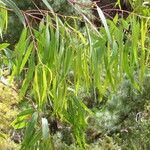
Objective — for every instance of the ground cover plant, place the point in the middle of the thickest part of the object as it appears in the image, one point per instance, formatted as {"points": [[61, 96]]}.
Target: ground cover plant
{"points": [[74, 84]]}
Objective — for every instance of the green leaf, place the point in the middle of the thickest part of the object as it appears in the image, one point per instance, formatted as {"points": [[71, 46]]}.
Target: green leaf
{"points": [[3, 46], [19, 124], [36, 137], [25, 112], [26, 57], [30, 130], [135, 38], [44, 86], [103, 19], [89, 39], [3, 19], [36, 87], [29, 76], [20, 51], [13, 6], [22, 118], [48, 6]]}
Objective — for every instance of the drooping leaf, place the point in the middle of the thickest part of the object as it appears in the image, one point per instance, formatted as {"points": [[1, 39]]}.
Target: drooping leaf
{"points": [[30, 130], [3, 46], [14, 7], [103, 19]]}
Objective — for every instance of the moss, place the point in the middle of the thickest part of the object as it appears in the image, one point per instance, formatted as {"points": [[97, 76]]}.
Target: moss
{"points": [[7, 144], [8, 111]]}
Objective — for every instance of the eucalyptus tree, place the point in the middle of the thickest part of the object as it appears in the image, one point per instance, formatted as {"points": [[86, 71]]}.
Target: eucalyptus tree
{"points": [[56, 64]]}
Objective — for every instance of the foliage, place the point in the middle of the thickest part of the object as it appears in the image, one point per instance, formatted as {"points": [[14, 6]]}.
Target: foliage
{"points": [[57, 64]]}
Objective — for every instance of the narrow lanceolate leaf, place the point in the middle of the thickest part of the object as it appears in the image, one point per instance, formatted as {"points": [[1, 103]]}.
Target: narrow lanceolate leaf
{"points": [[26, 112], [143, 37], [104, 22], [44, 90], [89, 39], [135, 37], [19, 52], [27, 54], [48, 6], [30, 130], [36, 86], [13, 6], [45, 128], [3, 46], [34, 141], [22, 118], [29, 76], [3, 19]]}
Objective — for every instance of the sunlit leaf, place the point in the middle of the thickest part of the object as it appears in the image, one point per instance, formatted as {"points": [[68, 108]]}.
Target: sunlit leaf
{"points": [[103, 19], [45, 128], [3, 46], [14, 7]]}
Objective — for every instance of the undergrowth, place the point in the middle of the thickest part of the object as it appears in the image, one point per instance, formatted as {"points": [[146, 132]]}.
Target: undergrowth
{"points": [[8, 112]]}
